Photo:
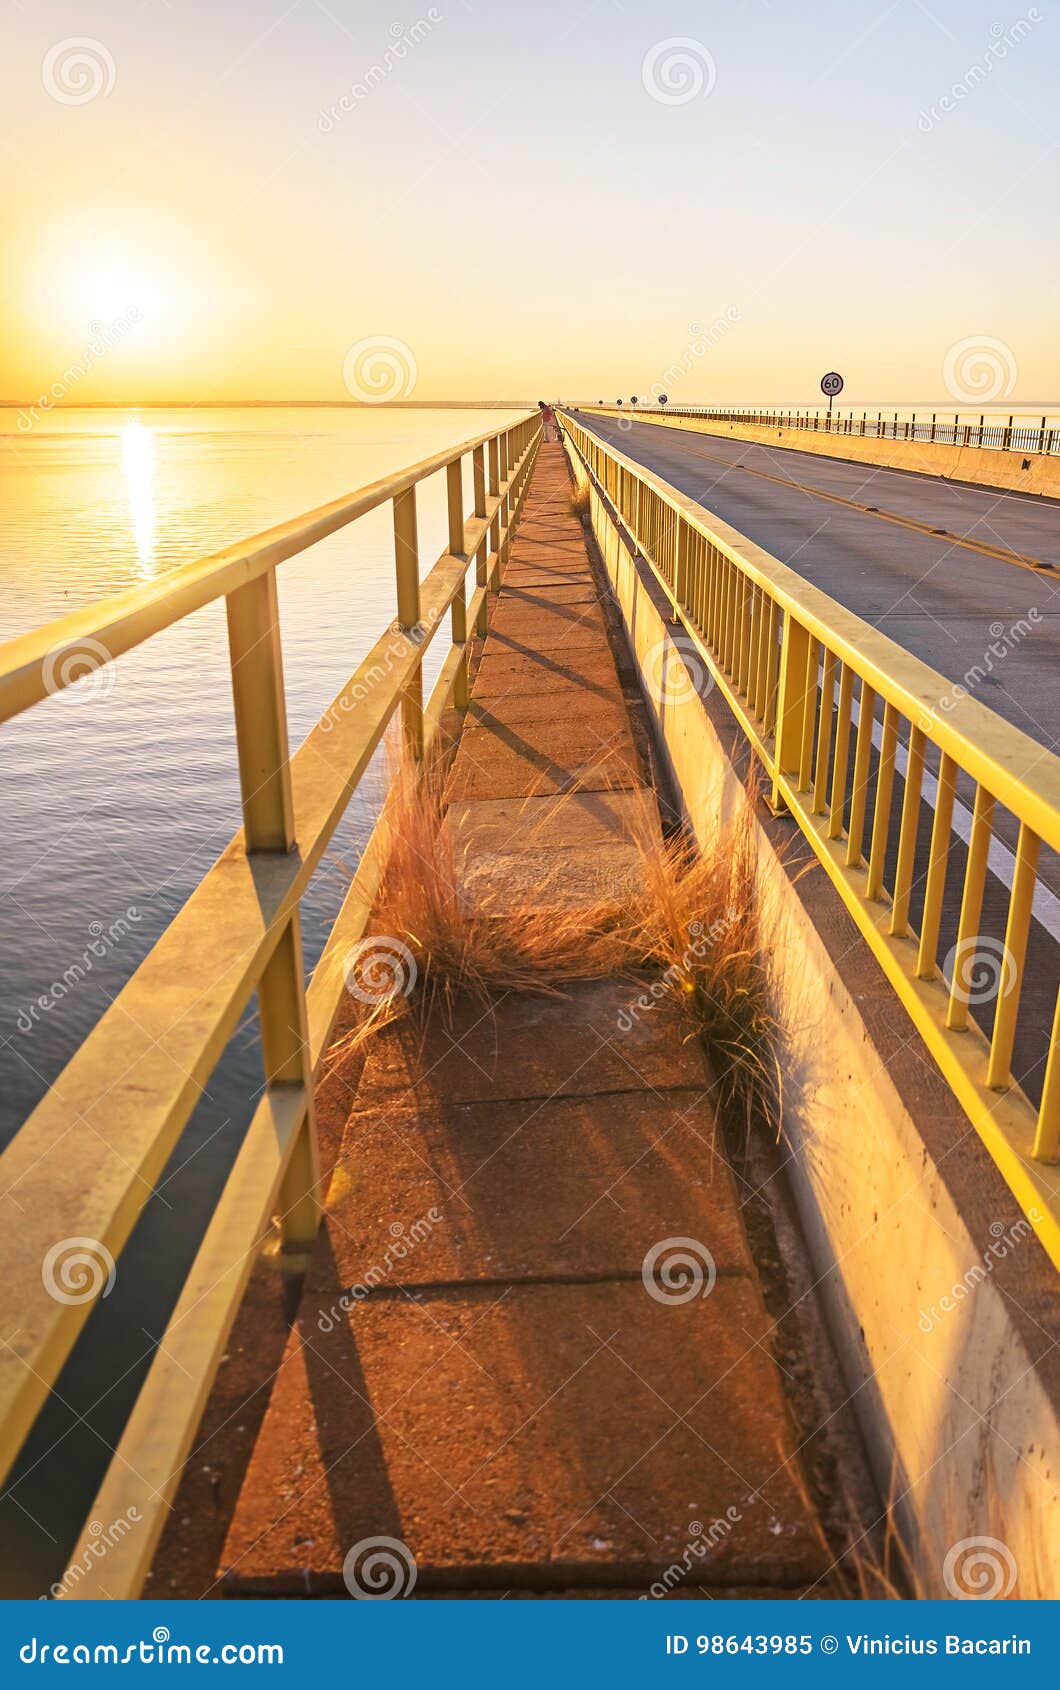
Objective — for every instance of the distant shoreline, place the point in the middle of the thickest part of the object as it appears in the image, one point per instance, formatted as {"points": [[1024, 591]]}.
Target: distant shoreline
{"points": [[942, 407], [276, 404]]}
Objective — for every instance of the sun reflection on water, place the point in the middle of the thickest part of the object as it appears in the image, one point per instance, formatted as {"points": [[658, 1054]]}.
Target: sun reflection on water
{"points": [[138, 464]]}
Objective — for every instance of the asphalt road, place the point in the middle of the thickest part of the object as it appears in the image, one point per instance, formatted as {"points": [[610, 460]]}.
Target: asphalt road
{"points": [[942, 601]]}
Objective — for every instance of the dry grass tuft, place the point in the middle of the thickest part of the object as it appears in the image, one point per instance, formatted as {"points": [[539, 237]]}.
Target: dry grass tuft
{"points": [[579, 501], [699, 921], [692, 935]]}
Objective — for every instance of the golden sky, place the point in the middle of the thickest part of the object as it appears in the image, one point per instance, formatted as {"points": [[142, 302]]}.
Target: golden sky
{"points": [[219, 201]]}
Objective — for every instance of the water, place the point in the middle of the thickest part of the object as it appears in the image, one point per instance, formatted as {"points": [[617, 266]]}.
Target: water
{"points": [[119, 794]]}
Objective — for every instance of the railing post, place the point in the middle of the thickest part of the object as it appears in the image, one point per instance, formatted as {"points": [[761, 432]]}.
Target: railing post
{"points": [[1047, 1136], [454, 493], [838, 794], [881, 814], [684, 540], [938, 863], [859, 786], [791, 702], [285, 1053], [508, 499], [495, 487], [407, 569], [261, 715], [454, 485], [971, 901], [268, 825], [824, 732], [907, 831], [1017, 930], [478, 472]]}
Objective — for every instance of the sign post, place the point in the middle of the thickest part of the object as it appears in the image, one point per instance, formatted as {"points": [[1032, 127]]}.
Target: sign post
{"points": [[831, 384]]}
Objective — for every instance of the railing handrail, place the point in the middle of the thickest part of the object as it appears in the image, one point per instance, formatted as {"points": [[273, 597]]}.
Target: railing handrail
{"points": [[1023, 774], [123, 620], [133, 1082], [786, 658], [1011, 436]]}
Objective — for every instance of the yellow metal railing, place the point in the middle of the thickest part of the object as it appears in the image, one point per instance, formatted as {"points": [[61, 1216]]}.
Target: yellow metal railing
{"points": [[788, 659], [83, 1165], [933, 428]]}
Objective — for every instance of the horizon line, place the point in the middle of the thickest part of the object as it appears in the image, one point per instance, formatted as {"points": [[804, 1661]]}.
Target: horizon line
{"points": [[946, 406]]}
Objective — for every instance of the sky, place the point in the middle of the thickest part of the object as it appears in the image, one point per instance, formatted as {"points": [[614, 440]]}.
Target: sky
{"points": [[215, 200]]}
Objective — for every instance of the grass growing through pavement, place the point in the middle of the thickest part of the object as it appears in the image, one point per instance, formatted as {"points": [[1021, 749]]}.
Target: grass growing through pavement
{"points": [[690, 931]]}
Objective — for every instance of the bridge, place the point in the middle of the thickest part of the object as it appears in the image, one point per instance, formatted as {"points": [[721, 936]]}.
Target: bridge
{"points": [[579, 1243]]}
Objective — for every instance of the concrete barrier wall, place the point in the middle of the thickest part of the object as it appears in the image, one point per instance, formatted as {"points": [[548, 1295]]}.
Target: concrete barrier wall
{"points": [[983, 466], [940, 1300]]}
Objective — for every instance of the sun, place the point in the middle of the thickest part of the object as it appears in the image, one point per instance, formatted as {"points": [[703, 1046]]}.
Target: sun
{"points": [[108, 284], [130, 299], [89, 284], [103, 267]]}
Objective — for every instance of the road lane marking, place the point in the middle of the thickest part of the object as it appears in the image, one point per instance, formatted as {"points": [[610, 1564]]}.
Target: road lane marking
{"points": [[1020, 559]]}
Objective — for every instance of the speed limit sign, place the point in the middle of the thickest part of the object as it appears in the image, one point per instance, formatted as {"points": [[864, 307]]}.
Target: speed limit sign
{"points": [[832, 384]]}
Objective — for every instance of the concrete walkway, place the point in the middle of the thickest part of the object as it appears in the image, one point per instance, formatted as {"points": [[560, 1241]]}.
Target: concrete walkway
{"points": [[511, 1397]]}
